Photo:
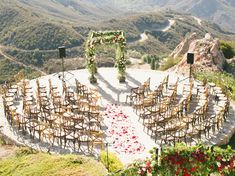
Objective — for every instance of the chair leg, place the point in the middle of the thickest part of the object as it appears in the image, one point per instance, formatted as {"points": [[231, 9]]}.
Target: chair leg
{"points": [[65, 142], [74, 142]]}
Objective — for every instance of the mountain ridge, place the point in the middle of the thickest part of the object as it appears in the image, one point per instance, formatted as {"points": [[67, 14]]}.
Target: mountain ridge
{"points": [[221, 12], [27, 29]]}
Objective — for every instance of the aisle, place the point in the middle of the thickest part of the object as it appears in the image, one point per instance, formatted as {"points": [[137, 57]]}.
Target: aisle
{"points": [[125, 134]]}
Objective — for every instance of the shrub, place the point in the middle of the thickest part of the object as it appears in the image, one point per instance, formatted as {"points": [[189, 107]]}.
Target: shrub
{"points": [[231, 143], [93, 79], [169, 62], [228, 67], [2, 141], [157, 65], [128, 62], [183, 160], [144, 58], [22, 151], [228, 49], [113, 164], [149, 59], [223, 80], [196, 160], [133, 53], [130, 170], [153, 60]]}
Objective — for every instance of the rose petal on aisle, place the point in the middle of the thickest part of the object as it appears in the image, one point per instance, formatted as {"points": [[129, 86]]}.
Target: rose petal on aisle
{"points": [[121, 132]]}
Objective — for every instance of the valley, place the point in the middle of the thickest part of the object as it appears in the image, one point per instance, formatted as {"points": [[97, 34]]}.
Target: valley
{"points": [[35, 44]]}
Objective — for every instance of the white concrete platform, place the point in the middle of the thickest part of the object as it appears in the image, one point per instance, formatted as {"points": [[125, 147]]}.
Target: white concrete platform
{"points": [[113, 92]]}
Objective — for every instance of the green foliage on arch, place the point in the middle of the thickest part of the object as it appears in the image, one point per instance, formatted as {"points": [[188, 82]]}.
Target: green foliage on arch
{"points": [[111, 38]]}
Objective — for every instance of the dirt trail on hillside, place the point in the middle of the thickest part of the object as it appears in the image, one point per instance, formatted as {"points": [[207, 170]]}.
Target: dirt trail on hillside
{"points": [[171, 23], [20, 63], [143, 37]]}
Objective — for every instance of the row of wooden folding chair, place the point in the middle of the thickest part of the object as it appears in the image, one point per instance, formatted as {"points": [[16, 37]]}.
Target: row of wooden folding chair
{"points": [[217, 118], [154, 97], [81, 89], [138, 93], [162, 115], [161, 105], [174, 114], [194, 125], [196, 120], [221, 108], [203, 123], [37, 118], [165, 82], [146, 86], [34, 127]]}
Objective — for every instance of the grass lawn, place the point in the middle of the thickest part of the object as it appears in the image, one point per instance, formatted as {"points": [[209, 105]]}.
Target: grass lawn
{"points": [[32, 164]]}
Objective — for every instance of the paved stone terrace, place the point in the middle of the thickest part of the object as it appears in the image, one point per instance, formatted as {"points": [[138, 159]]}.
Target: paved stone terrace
{"points": [[114, 92]]}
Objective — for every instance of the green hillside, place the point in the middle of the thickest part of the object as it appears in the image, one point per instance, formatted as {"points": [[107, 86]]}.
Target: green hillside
{"points": [[9, 69], [26, 29]]}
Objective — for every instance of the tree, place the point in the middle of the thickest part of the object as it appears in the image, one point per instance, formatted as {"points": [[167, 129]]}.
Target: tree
{"points": [[153, 60], [37, 55]]}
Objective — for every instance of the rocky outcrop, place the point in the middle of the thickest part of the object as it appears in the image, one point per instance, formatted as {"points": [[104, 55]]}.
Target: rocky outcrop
{"points": [[232, 61], [183, 47], [207, 56]]}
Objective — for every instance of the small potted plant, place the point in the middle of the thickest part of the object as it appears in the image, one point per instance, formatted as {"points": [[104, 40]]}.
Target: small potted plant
{"points": [[92, 79]]}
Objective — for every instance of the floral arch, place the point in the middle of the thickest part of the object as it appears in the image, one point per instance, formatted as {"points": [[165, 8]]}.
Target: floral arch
{"points": [[113, 38]]}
